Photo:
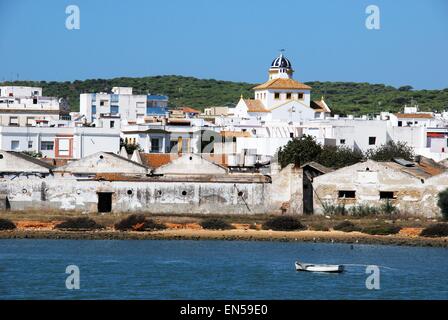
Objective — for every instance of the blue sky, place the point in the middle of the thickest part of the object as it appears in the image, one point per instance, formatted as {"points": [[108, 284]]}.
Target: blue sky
{"points": [[228, 40]]}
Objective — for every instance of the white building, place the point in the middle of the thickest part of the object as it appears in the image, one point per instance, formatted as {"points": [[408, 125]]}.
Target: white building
{"points": [[59, 143], [25, 106], [122, 105], [281, 98]]}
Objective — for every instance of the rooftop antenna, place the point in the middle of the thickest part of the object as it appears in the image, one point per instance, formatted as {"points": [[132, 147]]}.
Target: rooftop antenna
{"points": [[281, 51]]}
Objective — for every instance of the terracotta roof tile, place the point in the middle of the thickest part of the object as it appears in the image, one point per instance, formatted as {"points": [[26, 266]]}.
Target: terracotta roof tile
{"points": [[155, 160], [189, 110], [281, 83], [243, 134], [255, 105], [414, 115]]}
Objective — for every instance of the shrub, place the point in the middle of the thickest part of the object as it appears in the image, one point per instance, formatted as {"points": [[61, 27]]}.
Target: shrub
{"points": [[6, 224], [138, 222], [362, 210], [381, 229], [79, 223], [443, 203], [150, 224], [283, 223], [331, 209], [346, 226], [215, 224], [319, 227], [436, 230], [391, 150], [388, 207]]}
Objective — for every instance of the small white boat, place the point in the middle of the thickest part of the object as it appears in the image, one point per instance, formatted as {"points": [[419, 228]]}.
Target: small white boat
{"points": [[335, 268]]}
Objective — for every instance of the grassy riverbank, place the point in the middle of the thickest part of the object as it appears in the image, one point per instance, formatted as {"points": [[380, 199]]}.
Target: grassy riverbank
{"points": [[236, 234], [41, 225]]}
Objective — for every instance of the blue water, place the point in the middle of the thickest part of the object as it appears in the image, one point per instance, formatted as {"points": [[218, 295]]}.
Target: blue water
{"points": [[35, 269]]}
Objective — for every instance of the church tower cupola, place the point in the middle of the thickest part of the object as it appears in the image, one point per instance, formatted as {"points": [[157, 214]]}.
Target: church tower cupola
{"points": [[281, 68]]}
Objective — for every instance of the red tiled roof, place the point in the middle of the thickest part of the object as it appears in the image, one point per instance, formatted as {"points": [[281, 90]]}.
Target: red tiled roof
{"points": [[189, 110], [255, 105], [414, 115], [155, 160], [281, 83], [243, 134]]}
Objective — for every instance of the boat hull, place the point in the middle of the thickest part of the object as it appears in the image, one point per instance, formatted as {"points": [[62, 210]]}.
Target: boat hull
{"points": [[327, 268]]}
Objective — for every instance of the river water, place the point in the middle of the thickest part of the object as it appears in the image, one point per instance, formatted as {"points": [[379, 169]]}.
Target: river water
{"points": [[158, 269]]}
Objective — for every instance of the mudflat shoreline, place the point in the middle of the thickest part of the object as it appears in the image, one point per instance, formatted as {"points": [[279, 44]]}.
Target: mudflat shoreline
{"points": [[236, 234]]}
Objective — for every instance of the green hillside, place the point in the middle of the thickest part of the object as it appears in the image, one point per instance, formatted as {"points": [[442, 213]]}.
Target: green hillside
{"points": [[342, 97]]}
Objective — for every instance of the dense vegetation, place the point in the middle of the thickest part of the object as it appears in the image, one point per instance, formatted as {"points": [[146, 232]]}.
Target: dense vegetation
{"points": [[381, 229], [215, 224], [436, 230], [6, 224], [283, 223], [391, 150], [305, 149], [138, 222], [82, 223], [346, 226], [342, 97], [378, 228]]}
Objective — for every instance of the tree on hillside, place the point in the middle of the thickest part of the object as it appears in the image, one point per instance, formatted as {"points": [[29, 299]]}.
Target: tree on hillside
{"points": [[405, 88], [391, 150]]}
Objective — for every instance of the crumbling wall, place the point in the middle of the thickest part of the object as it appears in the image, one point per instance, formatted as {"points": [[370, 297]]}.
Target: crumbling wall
{"points": [[412, 195], [286, 190], [134, 196]]}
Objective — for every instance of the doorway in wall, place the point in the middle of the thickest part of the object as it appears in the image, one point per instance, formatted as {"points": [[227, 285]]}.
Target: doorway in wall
{"points": [[104, 202], [4, 203], [307, 195]]}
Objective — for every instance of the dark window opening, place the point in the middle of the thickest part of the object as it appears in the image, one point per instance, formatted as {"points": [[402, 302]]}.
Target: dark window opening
{"points": [[372, 141], [240, 194], [34, 101], [291, 134], [400, 123], [104, 202], [387, 195], [184, 193], [129, 192], [347, 194], [342, 141], [155, 145]]}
